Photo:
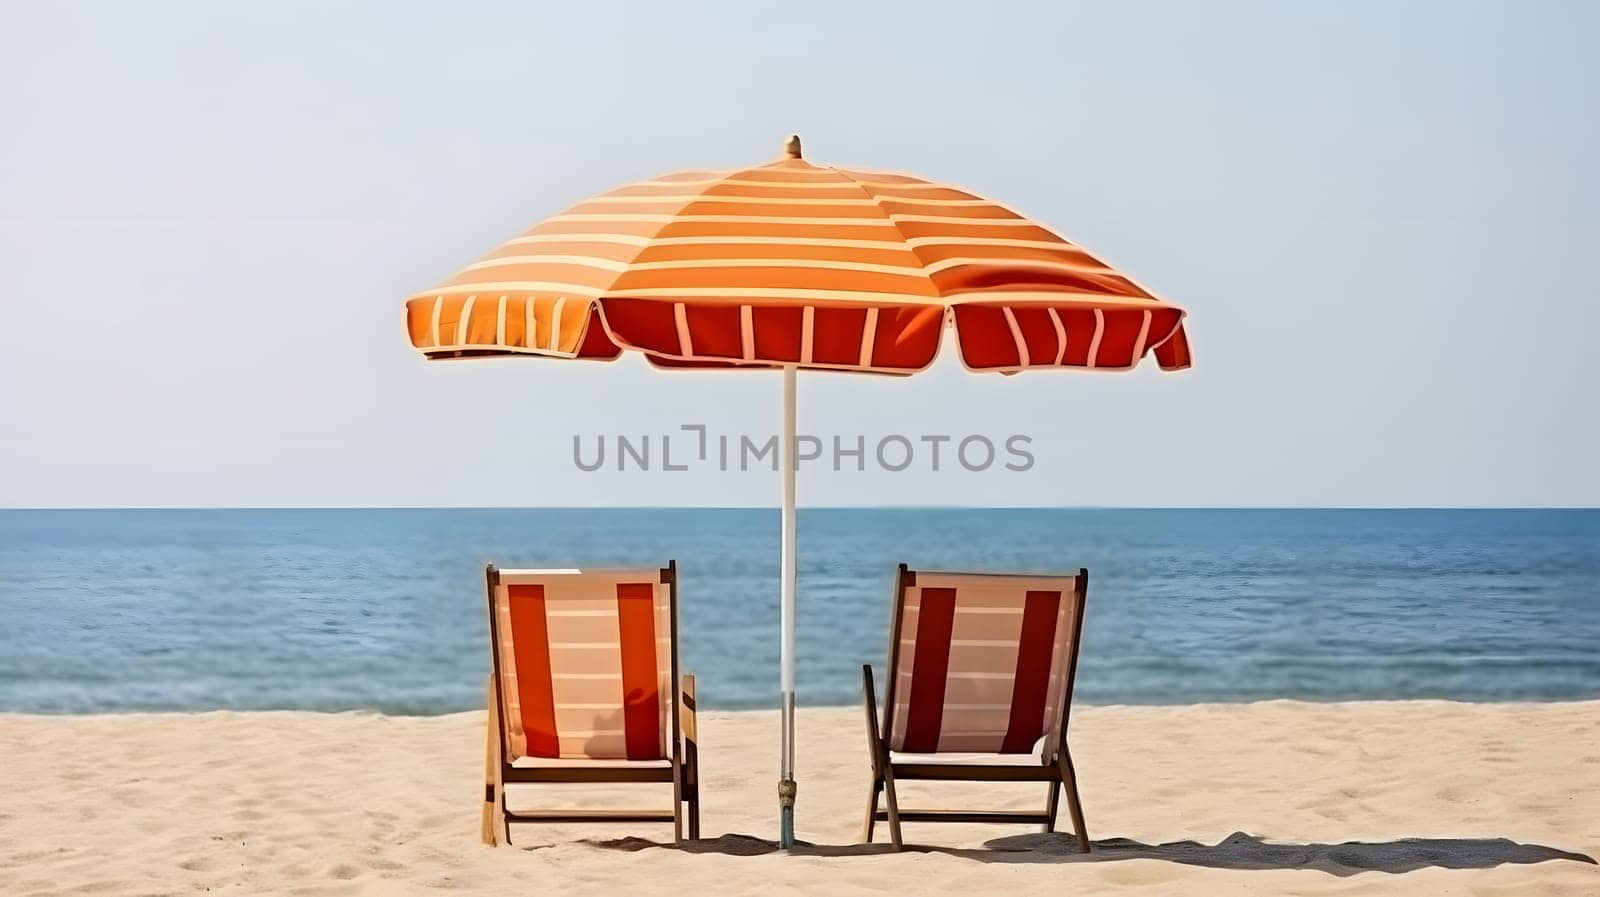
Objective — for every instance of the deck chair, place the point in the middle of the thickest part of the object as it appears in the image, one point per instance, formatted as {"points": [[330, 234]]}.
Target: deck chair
{"points": [[979, 664], [585, 688]]}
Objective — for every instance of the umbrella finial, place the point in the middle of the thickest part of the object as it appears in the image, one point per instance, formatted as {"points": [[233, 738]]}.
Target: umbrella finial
{"points": [[791, 146]]}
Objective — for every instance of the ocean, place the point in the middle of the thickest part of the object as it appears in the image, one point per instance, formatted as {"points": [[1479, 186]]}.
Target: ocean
{"points": [[126, 610]]}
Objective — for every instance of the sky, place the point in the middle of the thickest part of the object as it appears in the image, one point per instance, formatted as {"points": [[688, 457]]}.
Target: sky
{"points": [[1381, 218]]}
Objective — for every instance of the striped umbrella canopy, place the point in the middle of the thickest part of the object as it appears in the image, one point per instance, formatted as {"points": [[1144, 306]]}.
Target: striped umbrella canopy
{"points": [[791, 265]]}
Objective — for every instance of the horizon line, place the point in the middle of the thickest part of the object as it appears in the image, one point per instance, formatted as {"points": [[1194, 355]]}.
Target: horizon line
{"points": [[765, 507]]}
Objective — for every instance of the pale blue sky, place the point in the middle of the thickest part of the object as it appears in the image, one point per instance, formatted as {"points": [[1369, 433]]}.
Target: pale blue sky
{"points": [[1382, 218]]}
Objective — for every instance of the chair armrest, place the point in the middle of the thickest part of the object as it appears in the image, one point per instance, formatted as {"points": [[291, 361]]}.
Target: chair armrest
{"points": [[691, 731]]}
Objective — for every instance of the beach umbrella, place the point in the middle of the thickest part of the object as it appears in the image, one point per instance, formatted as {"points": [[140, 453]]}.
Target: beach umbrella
{"points": [[791, 266]]}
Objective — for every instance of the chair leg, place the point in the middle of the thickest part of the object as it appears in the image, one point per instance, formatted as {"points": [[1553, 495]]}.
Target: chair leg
{"points": [[872, 810], [1069, 783], [677, 801], [893, 803], [880, 763], [491, 810], [492, 792], [689, 742], [1051, 805], [694, 815], [693, 752]]}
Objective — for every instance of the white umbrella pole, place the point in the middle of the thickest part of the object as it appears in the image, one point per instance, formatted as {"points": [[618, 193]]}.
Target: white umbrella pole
{"points": [[786, 461]]}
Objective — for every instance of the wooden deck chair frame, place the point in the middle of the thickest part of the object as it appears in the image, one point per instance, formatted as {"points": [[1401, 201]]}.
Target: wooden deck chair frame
{"points": [[683, 771], [1058, 773]]}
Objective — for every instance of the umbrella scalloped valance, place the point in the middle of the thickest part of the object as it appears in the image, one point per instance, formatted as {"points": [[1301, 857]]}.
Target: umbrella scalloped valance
{"points": [[791, 263]]}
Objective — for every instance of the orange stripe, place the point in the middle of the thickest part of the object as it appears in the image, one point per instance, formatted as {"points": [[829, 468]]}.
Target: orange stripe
{"points": [[930, 665], [911, 283], [1032, 682], [875, 253], [530, 644], [691, 204], [581, 226], [919, 191], [814, 190], [557, 244], [788, 174], [1020, 229], [999, 254], [694, 174], [937, 207], [882, 177], [798, 229], [664, 189], [641, 698], [594, 279]]}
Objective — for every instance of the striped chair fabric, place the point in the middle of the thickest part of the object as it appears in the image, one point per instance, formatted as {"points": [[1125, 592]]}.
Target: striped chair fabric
{"points": [[585, 664], [982, 662]]}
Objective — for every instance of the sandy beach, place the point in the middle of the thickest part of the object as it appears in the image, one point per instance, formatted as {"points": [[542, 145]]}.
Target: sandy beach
{"points": [[1268, 798], [1258, 798]]}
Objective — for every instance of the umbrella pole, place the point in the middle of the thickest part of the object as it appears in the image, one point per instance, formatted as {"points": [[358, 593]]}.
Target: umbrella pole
{"points": [[786, 461]]}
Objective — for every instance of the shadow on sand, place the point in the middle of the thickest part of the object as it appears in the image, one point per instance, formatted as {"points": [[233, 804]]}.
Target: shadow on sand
{"points": [[1237, 851]]}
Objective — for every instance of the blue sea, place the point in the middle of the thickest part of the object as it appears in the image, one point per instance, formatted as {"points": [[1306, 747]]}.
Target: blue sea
{"points": [[384, 609]]}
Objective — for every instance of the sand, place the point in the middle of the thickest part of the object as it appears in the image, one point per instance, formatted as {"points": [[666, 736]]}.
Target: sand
{"points": [[1269, 798]]}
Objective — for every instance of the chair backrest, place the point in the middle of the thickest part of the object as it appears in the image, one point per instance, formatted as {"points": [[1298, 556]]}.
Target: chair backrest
{"points": [[982, 663], [586, 661]]}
